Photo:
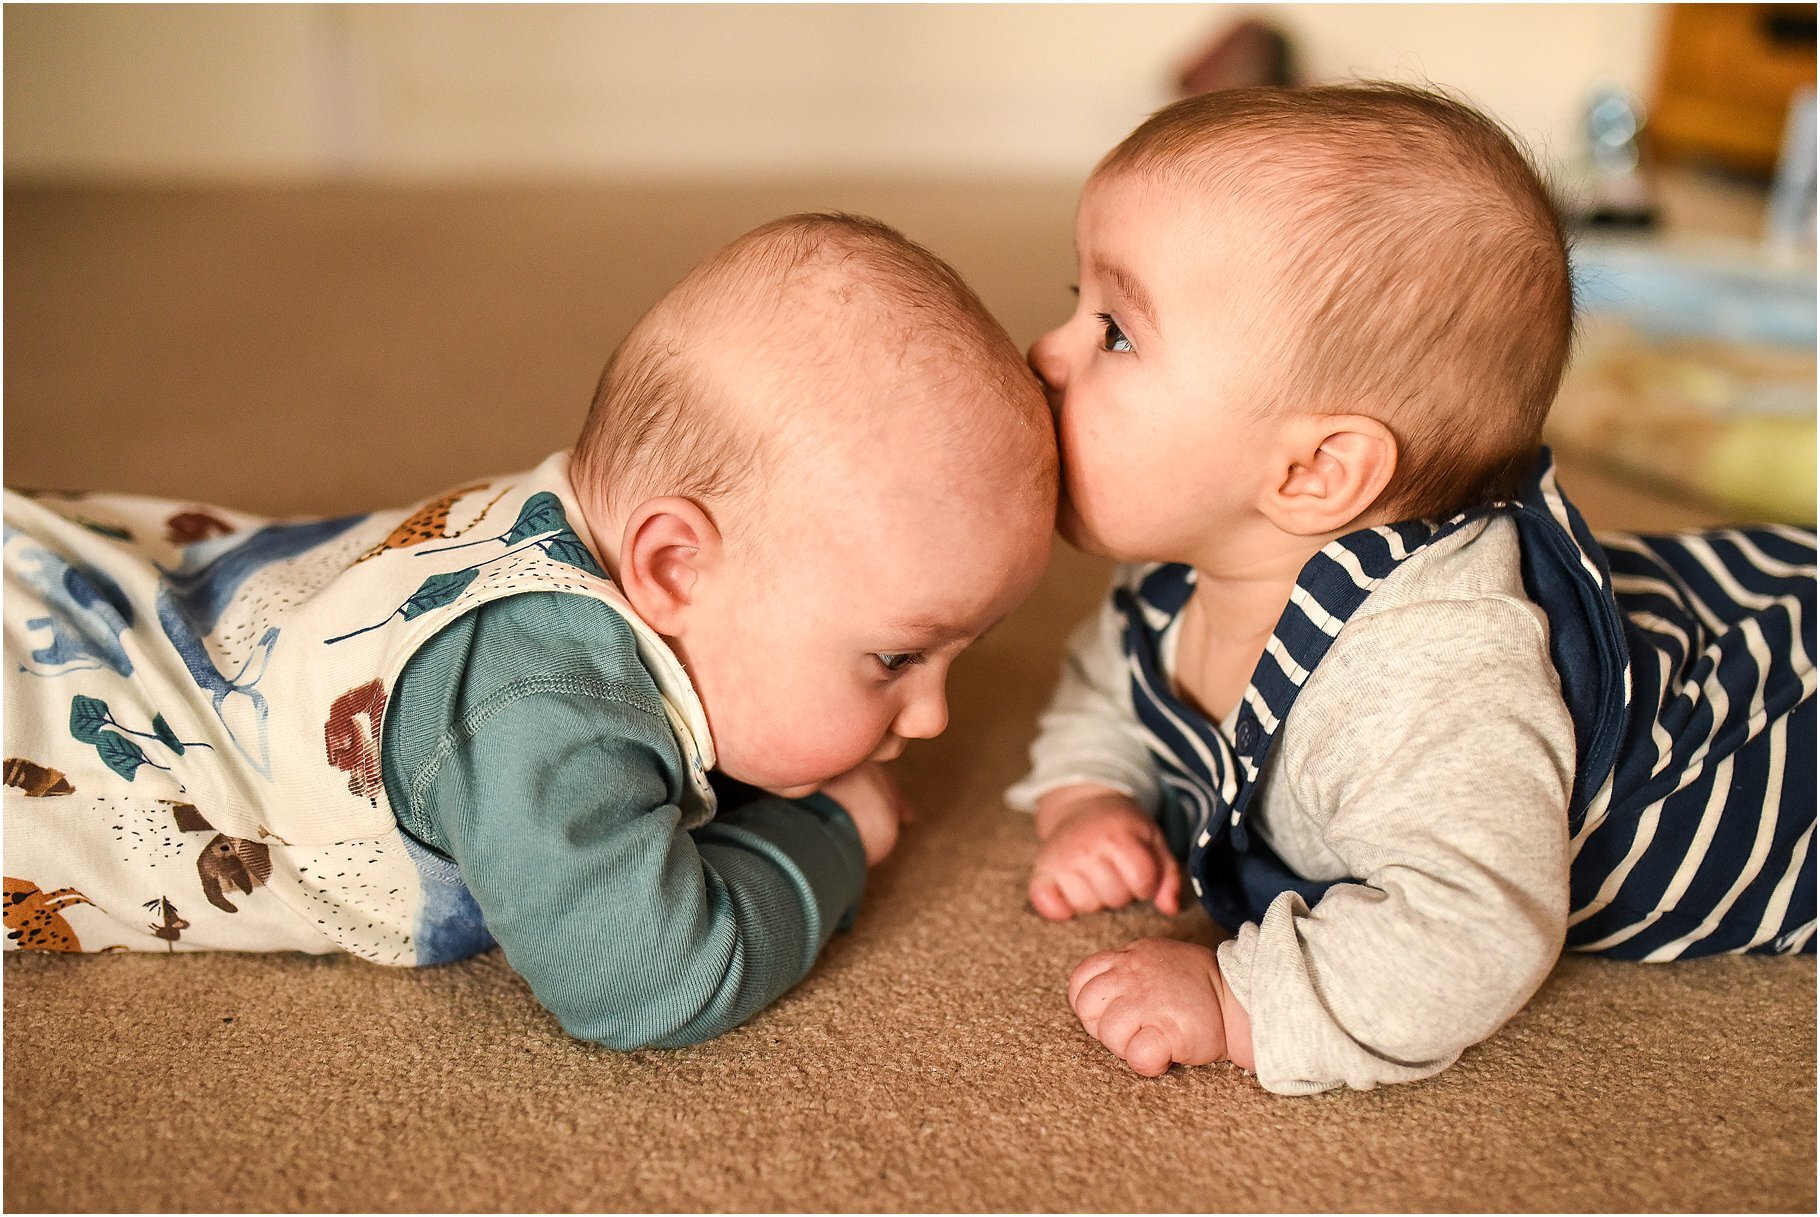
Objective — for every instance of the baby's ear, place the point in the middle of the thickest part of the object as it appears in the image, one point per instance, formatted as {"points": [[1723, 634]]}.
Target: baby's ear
{"points": [[1331, 470], [670, 546]]}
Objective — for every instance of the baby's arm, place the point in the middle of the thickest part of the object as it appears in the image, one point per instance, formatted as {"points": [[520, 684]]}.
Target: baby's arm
{"points": [[1435, 765], [1094, 790], [553, 789], [1441, 781]]}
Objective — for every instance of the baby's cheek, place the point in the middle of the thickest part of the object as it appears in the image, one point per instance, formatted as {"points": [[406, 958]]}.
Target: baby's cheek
{"points": [[1094, 463], [1090, 513], [808, 745]]}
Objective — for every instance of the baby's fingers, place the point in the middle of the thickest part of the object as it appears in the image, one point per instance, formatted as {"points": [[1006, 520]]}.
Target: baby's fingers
{"points": [[1136, 867], [1148, 1053], [1047, 899], [1111, 889], [1169, 889], [1085, 972], [1077, 891]]}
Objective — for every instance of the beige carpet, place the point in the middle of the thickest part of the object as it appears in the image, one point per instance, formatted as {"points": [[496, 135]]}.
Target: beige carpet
{"points": [[334, 350]]}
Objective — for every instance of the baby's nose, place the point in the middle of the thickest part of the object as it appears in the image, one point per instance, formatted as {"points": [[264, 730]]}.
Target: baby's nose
{"points": [[1045, 360], [925, 717]]}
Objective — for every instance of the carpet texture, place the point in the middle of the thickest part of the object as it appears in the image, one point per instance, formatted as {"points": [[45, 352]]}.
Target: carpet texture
{"points": [[333, 350]]}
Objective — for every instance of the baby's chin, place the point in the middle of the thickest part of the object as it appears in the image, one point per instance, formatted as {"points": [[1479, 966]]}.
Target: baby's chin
{"points": [[1072, 529], [765, 764], [802, 791]]}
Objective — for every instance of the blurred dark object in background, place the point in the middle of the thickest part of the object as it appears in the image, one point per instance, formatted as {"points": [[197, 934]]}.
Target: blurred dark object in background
{"points": [[1247, 53], [1728, 73]]}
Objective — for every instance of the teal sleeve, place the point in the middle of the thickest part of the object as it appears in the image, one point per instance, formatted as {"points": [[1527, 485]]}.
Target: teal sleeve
{"points": [[527, 743]]}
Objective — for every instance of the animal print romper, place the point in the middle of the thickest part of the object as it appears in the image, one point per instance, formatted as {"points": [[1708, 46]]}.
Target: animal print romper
{"points": [[194, 708]]}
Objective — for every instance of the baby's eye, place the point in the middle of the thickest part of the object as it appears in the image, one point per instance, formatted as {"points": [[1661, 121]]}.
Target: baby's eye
{"points": [[897, 661], [1114, 338]]}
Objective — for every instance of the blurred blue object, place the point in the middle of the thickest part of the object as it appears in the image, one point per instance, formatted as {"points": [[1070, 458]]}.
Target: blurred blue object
{"points": [[1790, 226], [1677, 293]]}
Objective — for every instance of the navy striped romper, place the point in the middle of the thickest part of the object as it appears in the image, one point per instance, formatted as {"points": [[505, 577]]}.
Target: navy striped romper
{"points": [[1687, 665]]}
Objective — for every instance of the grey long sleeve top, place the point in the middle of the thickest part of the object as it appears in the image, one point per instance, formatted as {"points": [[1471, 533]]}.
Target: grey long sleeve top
{"points": [[1430, 759]]}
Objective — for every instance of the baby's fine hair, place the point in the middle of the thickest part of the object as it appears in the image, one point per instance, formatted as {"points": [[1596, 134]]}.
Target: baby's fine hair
{"points": [[658, 423], [1426, 276]]}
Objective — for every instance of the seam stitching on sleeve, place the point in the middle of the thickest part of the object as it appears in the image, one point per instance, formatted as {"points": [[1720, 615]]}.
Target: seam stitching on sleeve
{"points": [[622, 692]]}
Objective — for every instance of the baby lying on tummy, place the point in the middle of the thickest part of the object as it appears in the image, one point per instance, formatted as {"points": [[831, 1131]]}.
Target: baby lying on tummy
{"points": [[813, 473], [1367, 677]]}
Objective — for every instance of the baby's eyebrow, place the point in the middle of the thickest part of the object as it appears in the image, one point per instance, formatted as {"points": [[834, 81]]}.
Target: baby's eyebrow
{"points": [[934, 631], [1129, 288], [930, 628]]}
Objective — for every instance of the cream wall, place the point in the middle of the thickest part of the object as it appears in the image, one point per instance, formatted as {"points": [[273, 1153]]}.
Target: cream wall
{"points": [[486, 91]]}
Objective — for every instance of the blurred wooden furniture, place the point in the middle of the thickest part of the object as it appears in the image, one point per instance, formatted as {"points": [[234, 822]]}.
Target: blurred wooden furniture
{"points": [[1728, 72]]}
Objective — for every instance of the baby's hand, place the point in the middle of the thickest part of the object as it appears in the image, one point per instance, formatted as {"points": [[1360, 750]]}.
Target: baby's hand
{"points": [[875, 805], [1100, 851], [1158, 1001]]}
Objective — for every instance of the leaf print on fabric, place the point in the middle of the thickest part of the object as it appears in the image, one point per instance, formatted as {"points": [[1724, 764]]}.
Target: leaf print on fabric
{"points": [[88, 715], [541, 521], [437, 591], [568, 549], [165, 735], [433, 593], [122, 755], [542, 513]]}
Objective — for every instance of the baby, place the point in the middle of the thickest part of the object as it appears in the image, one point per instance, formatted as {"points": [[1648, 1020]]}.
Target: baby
{"points": [[1366, 676], [813, 473]]}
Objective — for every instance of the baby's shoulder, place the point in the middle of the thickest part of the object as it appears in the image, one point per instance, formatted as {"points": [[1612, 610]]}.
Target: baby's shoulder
{"points": [[1481, 562], [1451, 616], [1449, 651], [557, 641]]}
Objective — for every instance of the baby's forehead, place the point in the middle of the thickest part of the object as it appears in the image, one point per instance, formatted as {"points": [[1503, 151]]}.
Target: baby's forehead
{"points": [[1166, 247], [900, 549], [1278, 223]]}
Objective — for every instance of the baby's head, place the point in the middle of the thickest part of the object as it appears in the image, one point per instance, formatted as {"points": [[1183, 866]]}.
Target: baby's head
{"points": [[820, 469], [1304, 311]]}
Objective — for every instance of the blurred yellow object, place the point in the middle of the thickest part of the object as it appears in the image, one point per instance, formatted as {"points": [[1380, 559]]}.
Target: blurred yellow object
{"points": [[1764, 466], [1724, 424]]}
